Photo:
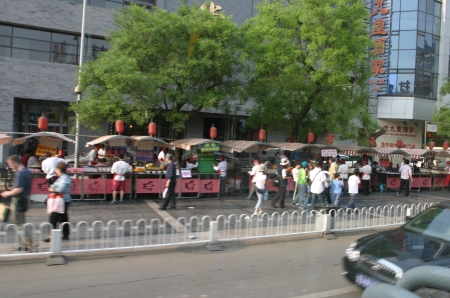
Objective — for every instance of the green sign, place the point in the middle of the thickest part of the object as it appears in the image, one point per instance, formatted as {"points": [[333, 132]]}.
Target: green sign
{"points": [[205, 162], [210, 147]]}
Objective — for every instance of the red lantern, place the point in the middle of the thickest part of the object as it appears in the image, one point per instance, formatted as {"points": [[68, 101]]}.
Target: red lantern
{"points": [[262, 135], [310, 138], [42, 123], [213, 132], [399, 143], [445, 145], [120, 127], [372, 141], [431, 145], [330, 138], [152, 128]]}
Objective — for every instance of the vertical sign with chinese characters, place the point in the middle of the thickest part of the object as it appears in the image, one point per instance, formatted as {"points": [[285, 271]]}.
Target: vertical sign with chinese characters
{"points": [[380, 25]]}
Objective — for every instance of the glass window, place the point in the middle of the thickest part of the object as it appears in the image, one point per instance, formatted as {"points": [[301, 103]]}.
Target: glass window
{"points": [[392, 83], [30, 55], [429, 24], [408, 20], [395, 21], [435, 46], [65, 38], [437, 9], [94, 47], [113, 5], [395, 5], [437, 26], [431, 64], [407, 59], [31, 34], [31, 44], [405, 83], [393, 59], [421, 42], [422, 21], [423, 5], [428, 43], [419, 85], [5, 52], [394, 42], [420, 60], [5, 41], [430, 6], [407, 40], [5, 30], [409, 5]]}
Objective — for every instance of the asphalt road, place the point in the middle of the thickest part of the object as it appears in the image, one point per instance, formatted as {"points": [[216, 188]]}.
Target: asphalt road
{"points": [[308, 268]]}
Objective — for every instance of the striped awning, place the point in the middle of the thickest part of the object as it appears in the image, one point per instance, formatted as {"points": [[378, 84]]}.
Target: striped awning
{"points": [[151, 142], [5, 139], [299, 146], [246, 146]]}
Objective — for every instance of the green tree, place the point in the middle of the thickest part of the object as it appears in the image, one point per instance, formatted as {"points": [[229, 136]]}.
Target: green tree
{"points": [[309, 66], [160, 63], [442, 114]]}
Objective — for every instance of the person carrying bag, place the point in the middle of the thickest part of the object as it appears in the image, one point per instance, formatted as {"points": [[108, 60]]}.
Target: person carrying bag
{"points": [[260, 187]]}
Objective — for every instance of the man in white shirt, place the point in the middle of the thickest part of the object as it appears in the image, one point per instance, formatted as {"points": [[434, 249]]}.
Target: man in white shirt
{"points": [[405, 175], [295, 177], [222, 168], [353, 187], [93, 156], [343, 173], [253, 172], [119, 169], [49, 167], [191, 163], [317, 178], [366, 170], [162, 157]]}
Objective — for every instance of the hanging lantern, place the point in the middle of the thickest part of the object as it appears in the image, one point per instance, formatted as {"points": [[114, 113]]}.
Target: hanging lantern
{"points": [[152, 128], [445, 145], [213, 132], [431, 145], [42, 123], [372, 141], [399, 143], [310, 138], [330, 138], [262, 134], [120, 127]]}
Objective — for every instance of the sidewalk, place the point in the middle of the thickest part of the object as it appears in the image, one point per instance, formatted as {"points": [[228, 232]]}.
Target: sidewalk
{"points": [[147, 208]]}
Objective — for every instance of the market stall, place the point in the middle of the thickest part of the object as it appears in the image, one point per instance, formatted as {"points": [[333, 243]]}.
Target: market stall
{"points": [[205, 180]]}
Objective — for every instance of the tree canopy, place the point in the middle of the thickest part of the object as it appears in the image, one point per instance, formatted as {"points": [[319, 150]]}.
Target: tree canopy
{"points": [[308, 62], [161, 63]]}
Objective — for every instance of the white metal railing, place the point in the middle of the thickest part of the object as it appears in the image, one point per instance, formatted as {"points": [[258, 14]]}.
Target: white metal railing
{"points": [[114, 235]]}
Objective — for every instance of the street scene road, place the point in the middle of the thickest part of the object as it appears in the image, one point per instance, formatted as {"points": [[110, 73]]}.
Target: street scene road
{"points": [[302, 268]]}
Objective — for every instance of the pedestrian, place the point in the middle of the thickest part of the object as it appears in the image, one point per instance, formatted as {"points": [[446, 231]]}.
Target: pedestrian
{"points": [[162, 158], [19, 202], [277, 159], [301, 185], [343, 173], [333, 169], [353, 187], [405, 175], [295, 178], [327, 187], [282, 175], [366, 170], [171, 176], [93, 156], [63, 186], [49, 167], [26, 156], [119, 169], [33, 161], [317, 178], [337, 186], [260, 180], [253, 172], [221, 169]]}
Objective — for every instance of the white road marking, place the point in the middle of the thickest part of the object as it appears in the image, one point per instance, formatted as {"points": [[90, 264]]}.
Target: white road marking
{"points": [[166, 215], [331, 293]]}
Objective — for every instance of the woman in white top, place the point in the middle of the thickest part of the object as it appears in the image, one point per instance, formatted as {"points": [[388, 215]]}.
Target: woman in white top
{"points": [[260, 184]]}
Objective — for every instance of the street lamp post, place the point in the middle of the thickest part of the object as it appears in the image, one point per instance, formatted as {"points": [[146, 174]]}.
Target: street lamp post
{"points": [[77, 88]]}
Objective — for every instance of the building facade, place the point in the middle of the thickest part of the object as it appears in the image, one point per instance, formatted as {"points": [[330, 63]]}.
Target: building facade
{"points": [[40, 43]]}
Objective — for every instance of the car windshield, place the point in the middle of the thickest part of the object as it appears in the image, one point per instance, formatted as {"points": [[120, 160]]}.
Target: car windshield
{"points": [[434, 222]]}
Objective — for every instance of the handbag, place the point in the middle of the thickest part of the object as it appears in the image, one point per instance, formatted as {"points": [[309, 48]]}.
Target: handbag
{"points": [[55, 203], [4, 212]]}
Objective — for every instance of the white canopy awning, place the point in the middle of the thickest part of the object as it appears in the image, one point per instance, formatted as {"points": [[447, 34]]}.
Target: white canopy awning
{"points": [[119, 140], [20, 141]]}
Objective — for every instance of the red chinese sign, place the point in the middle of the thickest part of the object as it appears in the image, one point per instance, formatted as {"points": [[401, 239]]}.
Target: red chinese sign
{"points": [[380, 24]]}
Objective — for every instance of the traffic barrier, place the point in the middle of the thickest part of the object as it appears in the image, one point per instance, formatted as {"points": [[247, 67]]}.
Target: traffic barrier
{"points": [[128, 234]]}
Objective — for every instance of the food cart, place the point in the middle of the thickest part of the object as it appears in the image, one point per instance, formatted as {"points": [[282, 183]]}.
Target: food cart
{"points": [[5, 174], [206, 181], [148, 178], [47, 142], [241, 180]]}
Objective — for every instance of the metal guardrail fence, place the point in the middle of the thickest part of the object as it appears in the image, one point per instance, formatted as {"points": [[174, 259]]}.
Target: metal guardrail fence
{"points": [[114, 235]]}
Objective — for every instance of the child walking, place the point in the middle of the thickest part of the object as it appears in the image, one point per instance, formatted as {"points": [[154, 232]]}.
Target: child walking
{"points": [[336, 187]]}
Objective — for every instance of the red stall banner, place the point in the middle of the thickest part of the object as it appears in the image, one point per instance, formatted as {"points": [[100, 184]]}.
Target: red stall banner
{"points": [[209, 186], [393, 182], [439, 182], [39, 186], [425, 182], [149, 186], [94, 186], [190, 185]]}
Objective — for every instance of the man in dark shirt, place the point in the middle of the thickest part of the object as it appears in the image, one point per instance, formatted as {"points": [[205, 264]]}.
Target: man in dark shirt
{"points": [[171, 176], [19, 199]]}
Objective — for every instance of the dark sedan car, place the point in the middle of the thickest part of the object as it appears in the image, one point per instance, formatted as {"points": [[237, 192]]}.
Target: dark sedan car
{"points": [[385, 256]]}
